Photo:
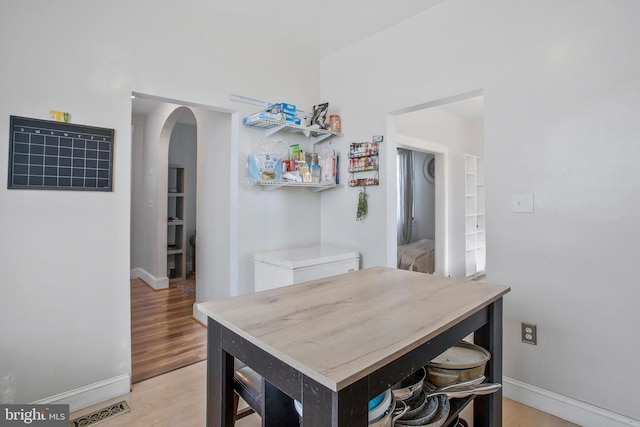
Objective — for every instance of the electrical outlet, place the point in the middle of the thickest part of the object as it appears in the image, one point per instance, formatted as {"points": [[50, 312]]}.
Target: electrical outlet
{"points": [[529, 334]]}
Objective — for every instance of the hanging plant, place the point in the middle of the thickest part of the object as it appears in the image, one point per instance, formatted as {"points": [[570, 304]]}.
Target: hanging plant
{"points": [[361, 211]]}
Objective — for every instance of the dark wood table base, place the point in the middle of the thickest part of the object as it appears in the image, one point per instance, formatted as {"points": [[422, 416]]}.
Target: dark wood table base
{"points": [[348, 406]]}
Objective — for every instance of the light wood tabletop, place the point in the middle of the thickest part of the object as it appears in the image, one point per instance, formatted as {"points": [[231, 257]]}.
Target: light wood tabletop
{"points": [[339, 330]]}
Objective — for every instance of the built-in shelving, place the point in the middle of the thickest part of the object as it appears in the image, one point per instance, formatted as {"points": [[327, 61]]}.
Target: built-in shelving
{"points": [[475, 218], [176, 233]]}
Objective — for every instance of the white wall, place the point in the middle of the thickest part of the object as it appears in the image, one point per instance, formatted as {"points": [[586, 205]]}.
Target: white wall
{"points": [[276, 219], [138, 204], [561, 88], [66, 255]]}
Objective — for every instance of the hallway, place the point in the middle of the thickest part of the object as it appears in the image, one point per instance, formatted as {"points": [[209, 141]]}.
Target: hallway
{"points": [[164, 336]]}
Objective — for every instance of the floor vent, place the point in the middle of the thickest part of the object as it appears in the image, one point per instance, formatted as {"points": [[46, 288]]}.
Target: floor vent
{"points": [[101, 415]]}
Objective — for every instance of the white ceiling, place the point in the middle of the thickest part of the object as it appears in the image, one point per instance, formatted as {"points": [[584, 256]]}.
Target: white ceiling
{"points": [[318, 28]]}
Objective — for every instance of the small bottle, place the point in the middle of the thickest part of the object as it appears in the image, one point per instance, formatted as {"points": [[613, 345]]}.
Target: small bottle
{"points": [[315, 173]]}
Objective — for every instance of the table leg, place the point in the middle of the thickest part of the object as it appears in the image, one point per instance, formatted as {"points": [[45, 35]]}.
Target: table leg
{"points": [[325, 408], [219, 379], [488, 408]]}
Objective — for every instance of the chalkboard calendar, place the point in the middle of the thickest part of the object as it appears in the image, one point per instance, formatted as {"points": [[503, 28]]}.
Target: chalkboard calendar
{"points": [[46, 155]]}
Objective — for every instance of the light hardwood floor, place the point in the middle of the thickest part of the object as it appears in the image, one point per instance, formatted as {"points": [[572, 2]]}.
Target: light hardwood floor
{"points": [[178, 399], [164, 336]]}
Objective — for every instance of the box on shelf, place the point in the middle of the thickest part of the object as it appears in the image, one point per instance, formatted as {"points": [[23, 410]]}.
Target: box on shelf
{"points": [[281, 112], [282, 107]]}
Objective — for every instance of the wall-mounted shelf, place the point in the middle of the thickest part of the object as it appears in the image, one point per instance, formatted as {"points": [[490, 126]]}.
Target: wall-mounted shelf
{"points": [[363, 157], [271, 127], [315, 187], [364, 182], [367, 167]]}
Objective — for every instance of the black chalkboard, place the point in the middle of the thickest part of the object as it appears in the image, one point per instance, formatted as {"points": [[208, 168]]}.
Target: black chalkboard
{"points": [[50, 155]]}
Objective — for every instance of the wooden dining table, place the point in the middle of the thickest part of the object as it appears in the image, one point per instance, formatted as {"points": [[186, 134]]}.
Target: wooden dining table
{"points": [[333, 344]]}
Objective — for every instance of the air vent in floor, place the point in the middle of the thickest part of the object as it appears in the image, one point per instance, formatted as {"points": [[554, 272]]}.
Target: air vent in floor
{"points": [[101, 415]]}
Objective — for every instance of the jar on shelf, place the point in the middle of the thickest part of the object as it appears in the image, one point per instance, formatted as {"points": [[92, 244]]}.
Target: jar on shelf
{"points": [[335, 123]]}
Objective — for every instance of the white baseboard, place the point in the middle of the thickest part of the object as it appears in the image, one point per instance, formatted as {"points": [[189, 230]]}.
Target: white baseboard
{"points": [[563, 407], [151, 280], [200, 316], [91, 394]]}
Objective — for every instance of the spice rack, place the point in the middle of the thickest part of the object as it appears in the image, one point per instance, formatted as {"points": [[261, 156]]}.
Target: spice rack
{"points": [[363, 157]]}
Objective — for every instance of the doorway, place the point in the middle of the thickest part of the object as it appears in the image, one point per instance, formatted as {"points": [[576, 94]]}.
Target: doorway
{"points": [[164, 335], [449, 129], [181, 201], [416, 210], [153, 122]]}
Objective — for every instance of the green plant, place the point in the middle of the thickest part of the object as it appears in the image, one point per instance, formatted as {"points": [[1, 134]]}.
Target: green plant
{"points": [[361, 211]]}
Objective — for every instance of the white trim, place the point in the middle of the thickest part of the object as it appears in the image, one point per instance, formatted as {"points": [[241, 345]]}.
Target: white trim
{"points": [[391, 171], [563, 407], [200, 316], [91, 394], [154, 282]]}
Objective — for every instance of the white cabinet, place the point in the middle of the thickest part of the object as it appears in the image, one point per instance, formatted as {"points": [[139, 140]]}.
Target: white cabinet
{"points": [[176, 232], [274, 269], [475, 217]]}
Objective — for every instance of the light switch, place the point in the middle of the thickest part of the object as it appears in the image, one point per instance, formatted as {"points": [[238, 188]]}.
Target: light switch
{"points": [[523, 203]]}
